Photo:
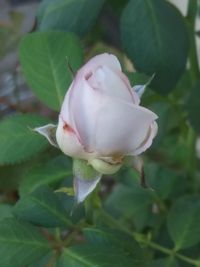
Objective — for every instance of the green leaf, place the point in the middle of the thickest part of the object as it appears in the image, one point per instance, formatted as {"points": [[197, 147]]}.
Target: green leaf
{"points": [[183, 222], [149, 30], [47, 174], [5, 211], [131, 202], [17, 141], [43, 208], [112, 238], [44, 58], [69, 15], [45, 261], [163, 180], [20, 243], [136, 78], [165, 262], [90, 255], [193, 107]]}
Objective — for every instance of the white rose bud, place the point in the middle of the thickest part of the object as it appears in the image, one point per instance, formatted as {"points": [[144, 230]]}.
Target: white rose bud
{"points": [[101, 120]]}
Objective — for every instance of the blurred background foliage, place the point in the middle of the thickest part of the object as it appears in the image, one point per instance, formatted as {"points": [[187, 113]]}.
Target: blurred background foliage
{"points": [[129, 225]]}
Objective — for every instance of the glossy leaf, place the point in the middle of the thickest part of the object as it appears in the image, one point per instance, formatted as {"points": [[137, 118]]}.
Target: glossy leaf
{"points": [[50, 173], [154, 37], [68, 15], [44, 58], [20, 243], [17, 140], [42, 207], [183, 222]]}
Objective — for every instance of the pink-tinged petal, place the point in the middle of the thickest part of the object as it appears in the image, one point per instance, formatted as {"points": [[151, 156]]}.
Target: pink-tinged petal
{"points": [[68, 141], [83, 105], [65, 112], [148, 140], [105, 59], [121, 127], [107, 82]]}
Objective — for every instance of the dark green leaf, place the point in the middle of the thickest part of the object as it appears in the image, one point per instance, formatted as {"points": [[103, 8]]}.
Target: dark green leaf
{"points": [[163, 180], [50, 258], [69, 15], [131, 202], [5, 211], [165, 262], [155, 38], [113, 238], [17, 141], [20, 244], [42, 207], [137, 78], [183, 222], [90, 256], [50, 173], [45, 58]]}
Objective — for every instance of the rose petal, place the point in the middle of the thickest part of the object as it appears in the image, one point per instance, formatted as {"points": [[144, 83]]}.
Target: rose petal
{"points": [[84, 105], [121, 128], [68, 141], [105, 59], [65, 112], [148, 141], [109, 83]]}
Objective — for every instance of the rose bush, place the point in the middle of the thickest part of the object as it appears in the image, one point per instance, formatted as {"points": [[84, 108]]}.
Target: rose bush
{"points": [[101, 120]]}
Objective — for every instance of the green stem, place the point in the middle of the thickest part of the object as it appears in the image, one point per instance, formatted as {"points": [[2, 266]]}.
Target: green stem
{"points": [[142, 239], [88, 204], [195, 76], [193, 58]]}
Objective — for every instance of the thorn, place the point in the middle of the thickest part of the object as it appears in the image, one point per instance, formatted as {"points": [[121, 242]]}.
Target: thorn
{"points": [[70, 68]]}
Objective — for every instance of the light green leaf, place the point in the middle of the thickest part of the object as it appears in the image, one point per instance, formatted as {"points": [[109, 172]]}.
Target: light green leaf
{"points": [[69, 15], [17, 141], [183, 222], [20, 243], [42, 207], [149, 30], [47, 174], [44, 58]]}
